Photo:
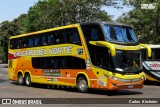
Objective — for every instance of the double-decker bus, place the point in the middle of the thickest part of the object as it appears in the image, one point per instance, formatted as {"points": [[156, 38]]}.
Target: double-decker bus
{"points": [[151, 65], [102, 55]]}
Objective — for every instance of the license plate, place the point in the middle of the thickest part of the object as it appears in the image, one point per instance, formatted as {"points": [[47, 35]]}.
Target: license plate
{"points": [[130, 86]]}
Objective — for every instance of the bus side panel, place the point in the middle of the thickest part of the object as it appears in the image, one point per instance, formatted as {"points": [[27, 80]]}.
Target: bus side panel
{"points": [[152, 70]]}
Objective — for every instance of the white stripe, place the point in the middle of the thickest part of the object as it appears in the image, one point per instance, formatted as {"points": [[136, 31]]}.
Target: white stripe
{"points": [[146, 66], [155, 74]]}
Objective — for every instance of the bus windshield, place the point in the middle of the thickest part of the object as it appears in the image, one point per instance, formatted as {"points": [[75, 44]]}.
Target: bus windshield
{"points": [[117, 33], [127, 61]]}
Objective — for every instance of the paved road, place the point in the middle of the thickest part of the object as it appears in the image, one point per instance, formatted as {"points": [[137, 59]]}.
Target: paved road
{"points": [[10, 89]]}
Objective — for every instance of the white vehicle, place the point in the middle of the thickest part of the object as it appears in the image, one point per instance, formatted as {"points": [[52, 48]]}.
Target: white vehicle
{"points": [[151, 65]]}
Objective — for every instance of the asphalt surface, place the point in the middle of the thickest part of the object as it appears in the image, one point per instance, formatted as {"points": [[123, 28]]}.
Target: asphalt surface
{"points": [[10, 89]]}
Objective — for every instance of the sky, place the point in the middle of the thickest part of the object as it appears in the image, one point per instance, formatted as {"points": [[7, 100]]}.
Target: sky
{"points": [[116, 12], [11, 9]]}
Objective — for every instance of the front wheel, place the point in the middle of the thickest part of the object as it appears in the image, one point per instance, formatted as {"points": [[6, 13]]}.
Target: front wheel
{"points": [[28, 80], [82, 85]]}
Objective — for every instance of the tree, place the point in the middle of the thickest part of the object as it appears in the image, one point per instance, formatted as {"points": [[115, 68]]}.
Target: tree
{"points": [[2, 57], [146, 22], [51, 13], [8, 29]]}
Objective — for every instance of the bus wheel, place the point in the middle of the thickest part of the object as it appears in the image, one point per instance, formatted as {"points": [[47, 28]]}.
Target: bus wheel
{"points": [[82, 85], [28, 80], [20, 79]]}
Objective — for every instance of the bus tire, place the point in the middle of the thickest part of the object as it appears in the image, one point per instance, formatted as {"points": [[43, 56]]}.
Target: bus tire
{"points": [[82, 85], [28, 80], [20, 79]]}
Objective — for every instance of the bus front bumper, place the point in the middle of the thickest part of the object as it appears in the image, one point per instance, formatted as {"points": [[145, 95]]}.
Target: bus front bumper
{"points": [[120, 84]]}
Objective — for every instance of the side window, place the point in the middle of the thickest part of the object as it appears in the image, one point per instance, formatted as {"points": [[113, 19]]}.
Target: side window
{"points": [[12, 46], [60, 62], [157, 53], [58, 39], [64, 34], [45, 62], [34, 41], [20, 43], [74, 37], [30, 41], [78, 63], [57, 63], [92, 32], [37, 62], [37, 40], [44, 40], [74, 63], [16, 44], [144, 54], [25, 42], [113, 33], [50, 39]]}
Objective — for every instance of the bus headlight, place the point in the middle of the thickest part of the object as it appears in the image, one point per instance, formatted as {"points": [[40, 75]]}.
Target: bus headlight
{"points": [[111, 77], [119, 69], [125, 80]]}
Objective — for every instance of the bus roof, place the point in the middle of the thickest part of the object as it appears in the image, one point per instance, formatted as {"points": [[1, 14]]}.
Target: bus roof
{"points": [[44, 31], [69, 26], [104, 22]]}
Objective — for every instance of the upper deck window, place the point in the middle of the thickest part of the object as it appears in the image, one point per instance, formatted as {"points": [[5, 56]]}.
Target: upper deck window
{"points": [[62, 36], [119, 33], [92, 32]]}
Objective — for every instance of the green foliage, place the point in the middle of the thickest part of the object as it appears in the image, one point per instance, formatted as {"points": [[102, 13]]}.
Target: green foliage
{"points": [[51, 13], [2, 55], [146, 22], [8, 29]]}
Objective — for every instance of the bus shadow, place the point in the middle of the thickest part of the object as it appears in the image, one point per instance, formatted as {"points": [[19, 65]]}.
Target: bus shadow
{"points": [[114, 93], [154, 83], [91, 91]]}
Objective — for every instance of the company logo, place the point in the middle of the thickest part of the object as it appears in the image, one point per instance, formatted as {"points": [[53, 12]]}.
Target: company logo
{"points": [[6, 101], [101, 83], [155, 65], [21, 101]]}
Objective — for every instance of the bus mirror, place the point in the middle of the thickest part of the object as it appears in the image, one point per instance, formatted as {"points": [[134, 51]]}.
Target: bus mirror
{"points": [[105, 44], [149, 51]]}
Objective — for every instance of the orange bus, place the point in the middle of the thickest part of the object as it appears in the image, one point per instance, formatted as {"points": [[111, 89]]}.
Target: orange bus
{"points": [[102, 55]]}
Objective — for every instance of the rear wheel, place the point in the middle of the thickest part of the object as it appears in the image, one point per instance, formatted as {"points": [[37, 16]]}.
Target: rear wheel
{"points": [[28, 80], [20, 79], [82, 85]]}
